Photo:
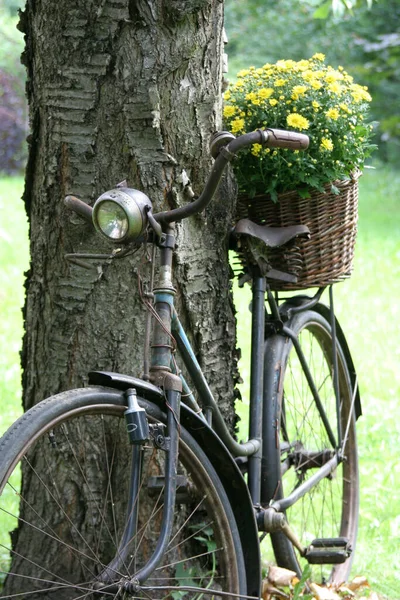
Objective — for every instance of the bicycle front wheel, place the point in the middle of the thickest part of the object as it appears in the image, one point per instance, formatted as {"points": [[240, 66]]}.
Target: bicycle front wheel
{"points": [[299, 443], [64, 490]]}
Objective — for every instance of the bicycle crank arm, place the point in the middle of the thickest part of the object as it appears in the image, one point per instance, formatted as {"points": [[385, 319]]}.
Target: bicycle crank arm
{"points": [[269, 521], [321, 551]]}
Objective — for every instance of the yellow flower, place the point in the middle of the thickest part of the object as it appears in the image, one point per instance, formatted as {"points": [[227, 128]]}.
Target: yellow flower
{"points": [[332, 113], [243, 73], [303, 65], [360, 93], [308, 75], [316, 104], [229, 111], [252, 96], [345, 108], [326, 145], [237, 125], [265, 93], [256, 149], [319, 56], [335, 87], [280, 82], [315, 84], [227, 95], [273, 101], [298, 90], [284, 65], [297, 121], [333, 76]]}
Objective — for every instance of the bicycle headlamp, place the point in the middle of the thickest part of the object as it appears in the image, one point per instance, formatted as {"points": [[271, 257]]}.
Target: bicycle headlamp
{"points": [[121, 214]]}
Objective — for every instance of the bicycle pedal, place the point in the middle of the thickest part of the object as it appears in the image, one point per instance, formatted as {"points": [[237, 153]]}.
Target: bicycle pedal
{"points": [[330, 551]]}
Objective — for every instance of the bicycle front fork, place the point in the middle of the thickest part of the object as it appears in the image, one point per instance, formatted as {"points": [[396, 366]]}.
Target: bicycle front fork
{"points": [[140, 432]]}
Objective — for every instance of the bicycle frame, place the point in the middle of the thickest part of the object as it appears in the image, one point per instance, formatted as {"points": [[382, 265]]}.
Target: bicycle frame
{"points": [[167, 331], [161, 362]]}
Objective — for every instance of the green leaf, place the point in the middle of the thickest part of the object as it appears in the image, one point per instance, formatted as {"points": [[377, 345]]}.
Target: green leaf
{"points": [[304, 193], [298, 588], [335, 190], [322, 11]]}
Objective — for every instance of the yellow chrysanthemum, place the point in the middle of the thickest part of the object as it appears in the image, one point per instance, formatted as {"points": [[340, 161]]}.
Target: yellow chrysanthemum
{"points": [[326, 145], [237, 125], [297, 121], [256, 149], [345, 108], [303, 65], [284, 65], [302, 96], [298, 91], [333, 114], [315, 84], [227, 95], [360, 93], [333, 76], [253, 97], [265, 93], [229, 111]]}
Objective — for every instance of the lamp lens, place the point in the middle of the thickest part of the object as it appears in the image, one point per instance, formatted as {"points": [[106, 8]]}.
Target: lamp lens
{"points": [[112, 220]]}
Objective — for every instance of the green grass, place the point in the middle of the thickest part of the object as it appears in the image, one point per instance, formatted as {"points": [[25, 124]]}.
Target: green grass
{"points": [[366, 306], [14, 261]]}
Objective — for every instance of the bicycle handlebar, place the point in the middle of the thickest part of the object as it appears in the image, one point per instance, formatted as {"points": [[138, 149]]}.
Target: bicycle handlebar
{"points": [[224, 153], [224, 147]]}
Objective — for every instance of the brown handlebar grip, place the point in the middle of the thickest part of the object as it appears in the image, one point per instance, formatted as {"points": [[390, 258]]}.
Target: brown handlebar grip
{"points": [[278, 138], [81, 208]]}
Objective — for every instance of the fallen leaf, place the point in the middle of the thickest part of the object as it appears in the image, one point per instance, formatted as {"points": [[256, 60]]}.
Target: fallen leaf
{"points": [[281, 577], [357, 583], [269, 591], [323, 593]]}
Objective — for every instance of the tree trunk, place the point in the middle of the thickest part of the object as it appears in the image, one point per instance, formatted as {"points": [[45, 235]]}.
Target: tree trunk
{"points": [[121, 89]]}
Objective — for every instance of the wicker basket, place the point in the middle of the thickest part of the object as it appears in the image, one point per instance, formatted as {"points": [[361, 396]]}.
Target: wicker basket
{"points": [[327, 256]]}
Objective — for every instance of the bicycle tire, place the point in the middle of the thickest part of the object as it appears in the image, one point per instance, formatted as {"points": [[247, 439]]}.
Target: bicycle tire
{"points": [[329, 510], [73, 446]]}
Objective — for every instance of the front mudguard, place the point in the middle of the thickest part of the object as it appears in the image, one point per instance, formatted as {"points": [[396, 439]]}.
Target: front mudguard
{"points": [[222, 461]]}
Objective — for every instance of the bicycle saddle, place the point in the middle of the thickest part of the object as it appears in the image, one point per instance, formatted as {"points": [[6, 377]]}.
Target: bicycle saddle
{"points": [[257, 244], [273, 237]]}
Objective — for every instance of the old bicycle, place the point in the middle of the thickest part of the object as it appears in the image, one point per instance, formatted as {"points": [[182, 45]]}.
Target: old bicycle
{"points": [[147, 494]]}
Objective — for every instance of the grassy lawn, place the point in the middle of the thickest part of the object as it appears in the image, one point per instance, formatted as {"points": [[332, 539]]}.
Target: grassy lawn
{"points": [[366, 306], [13, 262]]}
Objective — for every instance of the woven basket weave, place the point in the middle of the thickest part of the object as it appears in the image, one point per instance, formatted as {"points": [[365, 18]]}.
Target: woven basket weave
{"points": [[325, 258]]}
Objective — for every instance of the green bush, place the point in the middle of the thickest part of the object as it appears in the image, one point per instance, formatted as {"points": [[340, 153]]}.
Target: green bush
{"points": [[13, 109]]}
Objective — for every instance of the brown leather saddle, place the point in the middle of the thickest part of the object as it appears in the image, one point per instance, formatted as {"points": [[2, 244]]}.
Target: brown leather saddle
{"points": [[254, 243]]}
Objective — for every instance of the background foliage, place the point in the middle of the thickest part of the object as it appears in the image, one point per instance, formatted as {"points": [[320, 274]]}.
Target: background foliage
{"points": [[365, 42], [13, 110]]}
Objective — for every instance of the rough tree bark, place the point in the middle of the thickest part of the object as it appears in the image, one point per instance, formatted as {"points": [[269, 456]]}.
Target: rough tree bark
{"points": [[120, 89]]}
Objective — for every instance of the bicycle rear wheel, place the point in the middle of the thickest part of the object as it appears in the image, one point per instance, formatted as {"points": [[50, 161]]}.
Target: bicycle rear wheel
{"points": [[298, 444], [64, 479]]}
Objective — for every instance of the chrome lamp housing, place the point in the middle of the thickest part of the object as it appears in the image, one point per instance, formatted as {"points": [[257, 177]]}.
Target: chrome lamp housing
{"points": [[121, 214]]}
